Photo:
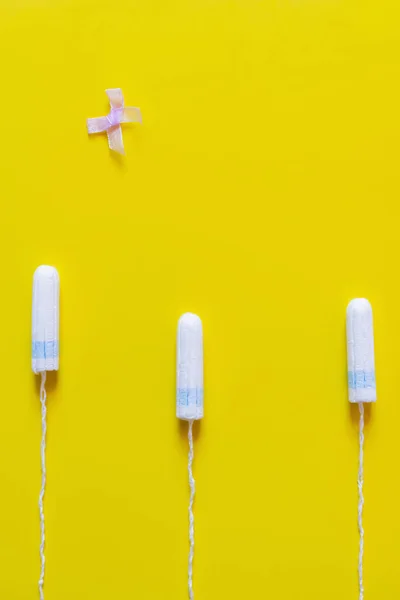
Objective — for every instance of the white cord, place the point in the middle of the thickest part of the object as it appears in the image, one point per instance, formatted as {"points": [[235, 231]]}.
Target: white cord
{"points": [[192, 485], [361, 503], [43, 487]]}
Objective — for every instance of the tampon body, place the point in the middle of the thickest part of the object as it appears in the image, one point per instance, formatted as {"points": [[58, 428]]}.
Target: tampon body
{"points": [[45, 319], [189, 391], [360, 351]]}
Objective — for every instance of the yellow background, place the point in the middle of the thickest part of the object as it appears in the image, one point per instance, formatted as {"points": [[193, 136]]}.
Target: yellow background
{"points": [[262, 193]]}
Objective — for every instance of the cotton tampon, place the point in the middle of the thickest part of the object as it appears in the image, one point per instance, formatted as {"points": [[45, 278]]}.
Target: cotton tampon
{"points": [[189, 397], [189, 402], [360, 352], [45, 357], [45, 319], [362, 388]]}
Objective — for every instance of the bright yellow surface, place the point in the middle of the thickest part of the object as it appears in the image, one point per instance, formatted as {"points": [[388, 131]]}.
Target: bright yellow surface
{"points": [[262, 193]]}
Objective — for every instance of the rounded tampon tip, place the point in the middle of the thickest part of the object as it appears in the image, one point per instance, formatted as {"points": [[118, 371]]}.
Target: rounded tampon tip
{"points": [[360, 351], [45, 271], [189, 387], [359, 305], [45, 319], [190, 320]]}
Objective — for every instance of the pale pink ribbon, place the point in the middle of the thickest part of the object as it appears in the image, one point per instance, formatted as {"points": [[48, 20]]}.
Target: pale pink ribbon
{"points": [[112, 122]]}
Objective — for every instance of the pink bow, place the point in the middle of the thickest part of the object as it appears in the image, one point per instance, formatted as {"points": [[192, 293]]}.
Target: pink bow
{"points": [[112, 122]]}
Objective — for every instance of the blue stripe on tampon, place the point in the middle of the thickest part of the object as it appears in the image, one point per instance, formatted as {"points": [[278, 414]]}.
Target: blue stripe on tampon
{"points": [[189, 396], [45, 349], [361, 379]]}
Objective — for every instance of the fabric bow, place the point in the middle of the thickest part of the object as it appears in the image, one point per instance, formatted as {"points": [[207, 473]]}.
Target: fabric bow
{"points": [[112, 122]]}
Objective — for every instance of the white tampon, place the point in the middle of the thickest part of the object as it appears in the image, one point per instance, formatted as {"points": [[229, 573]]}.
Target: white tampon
{"points": [[362, 388], [189, 393], [45, 319], [189, 402], [360, 351], [45, 355]]}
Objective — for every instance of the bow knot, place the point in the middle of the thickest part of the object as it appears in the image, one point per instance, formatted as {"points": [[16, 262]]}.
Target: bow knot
{"points": [[115, 116]]}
